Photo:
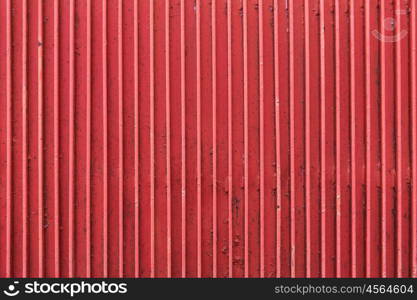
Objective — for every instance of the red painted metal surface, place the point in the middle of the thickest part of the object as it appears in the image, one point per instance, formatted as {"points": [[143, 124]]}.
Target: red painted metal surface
{"points": [[208, 138]]}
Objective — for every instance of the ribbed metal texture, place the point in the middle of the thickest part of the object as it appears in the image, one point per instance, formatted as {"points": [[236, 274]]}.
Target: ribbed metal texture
{"points": [[212, 138]]}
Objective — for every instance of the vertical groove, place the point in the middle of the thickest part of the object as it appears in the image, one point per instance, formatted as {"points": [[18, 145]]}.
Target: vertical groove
{"points": [[414, 137], [9, 138], [399, 142], [277, 141], [229, 133], [40, 138], [353, 136], [307, 137], [323, 139], [183, 146], [338, 142], [214, 91], [152, 132], [24, 141], [292, 136], [198, 57], [246, 132], [136, 121], [56, 134], [121, 170], [168, 136], [88, 154], [105, 144], [262, 141], [71, 143]]}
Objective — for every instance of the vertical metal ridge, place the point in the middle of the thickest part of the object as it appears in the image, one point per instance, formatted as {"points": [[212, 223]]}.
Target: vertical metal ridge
{"points": [[168, 137], [183, 147], [56, 136], [307, 137], [414, 137], [88, 146], [399, 142], [136, 124], [368, 135], [40, 141], [353, 137], [246, 132], [152, 131], [344, 138], [71, 141], [338, 142], [105, 144], [383, 148], [198, 75], [292, 138], [371, 137], [8, 246], [229, 134], [120, 125], [277, 142], [24, 141], [262, 140], [323, 139], [214, 91]]}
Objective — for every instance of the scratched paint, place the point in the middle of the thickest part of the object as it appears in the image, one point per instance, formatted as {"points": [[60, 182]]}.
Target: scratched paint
{"points": [[208, 138]]}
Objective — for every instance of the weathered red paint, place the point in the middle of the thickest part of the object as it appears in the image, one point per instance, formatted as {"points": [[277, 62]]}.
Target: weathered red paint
{"points": [[208, 138]]}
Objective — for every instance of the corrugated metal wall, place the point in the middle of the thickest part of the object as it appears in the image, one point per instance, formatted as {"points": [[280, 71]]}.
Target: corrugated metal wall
{"points": [[208, 138]]}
